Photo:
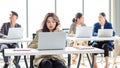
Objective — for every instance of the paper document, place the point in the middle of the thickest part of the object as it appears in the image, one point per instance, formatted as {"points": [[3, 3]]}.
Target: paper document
{"points": [[84, 47]]}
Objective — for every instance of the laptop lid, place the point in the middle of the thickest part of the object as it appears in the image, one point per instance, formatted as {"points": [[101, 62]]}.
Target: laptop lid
{"points": [[105, 32], [83, 32], [15, 33], [51, 40]]}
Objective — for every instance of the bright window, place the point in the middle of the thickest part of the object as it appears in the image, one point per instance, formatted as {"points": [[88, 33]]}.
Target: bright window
{"points": [[92, 10], [66, 10], [19, 6], [37, 9]]}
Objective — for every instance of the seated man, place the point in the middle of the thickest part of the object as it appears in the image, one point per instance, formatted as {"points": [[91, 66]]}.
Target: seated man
{"points": [[105, 45], [4, 31]]}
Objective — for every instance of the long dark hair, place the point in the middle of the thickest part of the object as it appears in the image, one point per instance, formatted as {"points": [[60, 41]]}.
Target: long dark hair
{"points": [[44, 24], [104, 15], [78, 15], [74, 20]]}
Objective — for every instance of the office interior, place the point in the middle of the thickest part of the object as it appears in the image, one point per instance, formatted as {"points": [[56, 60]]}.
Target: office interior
{"points": [[32, 12]]}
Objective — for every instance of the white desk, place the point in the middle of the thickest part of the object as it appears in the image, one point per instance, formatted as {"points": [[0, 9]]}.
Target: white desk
{"points": [[15, 40], [67, 50], [94, 38], [3, 40]]}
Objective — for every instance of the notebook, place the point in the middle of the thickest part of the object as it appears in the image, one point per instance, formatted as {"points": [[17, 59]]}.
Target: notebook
{"points": [[83, 32], [15, 33], [51, 40], [105, 32]]}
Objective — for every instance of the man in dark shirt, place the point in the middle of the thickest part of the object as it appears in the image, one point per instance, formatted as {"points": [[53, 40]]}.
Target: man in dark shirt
{"points": [[4, 31]]}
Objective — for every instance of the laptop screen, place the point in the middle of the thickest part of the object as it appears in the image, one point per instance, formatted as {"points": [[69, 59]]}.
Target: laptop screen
{"points": [[15, 33], [51, 40], [105, 32]]}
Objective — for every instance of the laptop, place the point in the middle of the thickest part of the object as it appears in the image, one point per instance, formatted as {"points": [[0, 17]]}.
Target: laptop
{"points": [[105, 32], [51, 40], [83, 32], [15, 33]]}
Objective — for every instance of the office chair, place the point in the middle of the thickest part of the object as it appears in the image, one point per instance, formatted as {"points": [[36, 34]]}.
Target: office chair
{"points": [[32, 56], [66, 30], [0, 52]]}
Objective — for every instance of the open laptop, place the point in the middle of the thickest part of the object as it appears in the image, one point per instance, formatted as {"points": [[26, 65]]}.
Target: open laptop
{"points": [[83, 32], [15, 33], [105, 32], [51, 40]]}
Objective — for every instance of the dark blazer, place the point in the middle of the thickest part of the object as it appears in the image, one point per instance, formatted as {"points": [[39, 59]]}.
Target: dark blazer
{"points": [[6, 26], [5, 29], [107, 25]]}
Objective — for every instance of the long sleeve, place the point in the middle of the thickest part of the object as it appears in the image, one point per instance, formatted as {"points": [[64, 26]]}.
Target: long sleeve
{"points": [[110, 27], [3, 29], [72, 29], [95, 30], [34, 43]]}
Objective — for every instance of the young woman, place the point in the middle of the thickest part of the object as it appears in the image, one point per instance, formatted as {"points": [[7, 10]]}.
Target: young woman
{"points": [[105, 45], [50, 24], [77, 21]]}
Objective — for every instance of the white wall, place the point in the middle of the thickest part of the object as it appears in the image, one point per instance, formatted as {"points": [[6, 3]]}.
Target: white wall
{"points": [[118, 17]]}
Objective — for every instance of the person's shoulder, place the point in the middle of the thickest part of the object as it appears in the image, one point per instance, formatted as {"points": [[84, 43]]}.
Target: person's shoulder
{"points": [[58, 30], [97, 23], [39, 30], [73, 24], [18, 25], [6, 23], [83, 24], [108, 23]]}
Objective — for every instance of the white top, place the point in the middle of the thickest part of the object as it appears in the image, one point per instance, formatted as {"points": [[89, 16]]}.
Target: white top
{"points": [[94, 38], [67, 50], [79, 25], [102, 27], [5, 40]]}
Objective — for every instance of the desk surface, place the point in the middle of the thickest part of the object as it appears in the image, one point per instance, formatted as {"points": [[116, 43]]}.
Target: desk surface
{"points": [[95, 38], [67, 50], [15, 40]]}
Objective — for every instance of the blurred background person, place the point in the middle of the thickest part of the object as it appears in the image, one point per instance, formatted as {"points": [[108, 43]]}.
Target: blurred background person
{"points": [[105, 45], [4, 31]]}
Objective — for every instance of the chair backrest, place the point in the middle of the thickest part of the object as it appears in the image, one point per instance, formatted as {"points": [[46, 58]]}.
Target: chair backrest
{"points": [[33, 35], [32, 56], [0, 49], [66, 30]]}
